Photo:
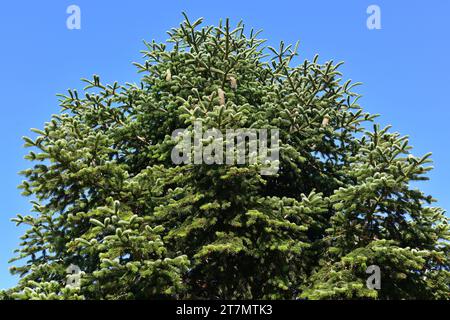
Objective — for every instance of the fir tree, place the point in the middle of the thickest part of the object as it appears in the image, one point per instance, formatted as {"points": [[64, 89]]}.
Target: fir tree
{"points": [[109, 199]]}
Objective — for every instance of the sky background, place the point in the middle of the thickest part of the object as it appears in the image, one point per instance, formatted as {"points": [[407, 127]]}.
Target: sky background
{"points": [[404, 67]]}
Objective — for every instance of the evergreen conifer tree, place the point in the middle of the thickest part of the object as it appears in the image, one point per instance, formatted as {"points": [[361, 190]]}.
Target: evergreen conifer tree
{"points": [[109, 199]]}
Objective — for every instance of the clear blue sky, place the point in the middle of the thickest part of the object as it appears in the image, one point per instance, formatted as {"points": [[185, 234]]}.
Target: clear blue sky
{"points": [[404, 66]]}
